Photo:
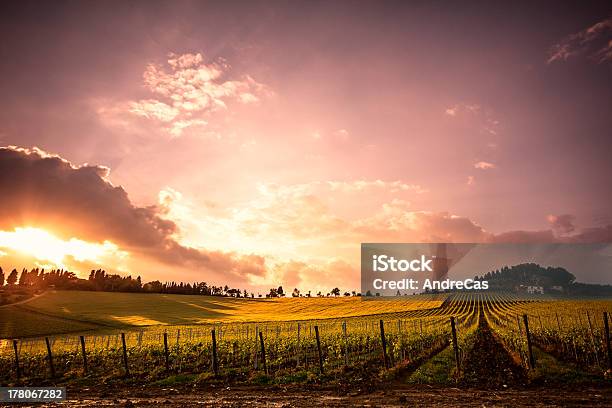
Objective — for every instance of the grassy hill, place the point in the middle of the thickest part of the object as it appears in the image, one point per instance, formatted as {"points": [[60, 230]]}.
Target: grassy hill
{"points": [[73, 311]]}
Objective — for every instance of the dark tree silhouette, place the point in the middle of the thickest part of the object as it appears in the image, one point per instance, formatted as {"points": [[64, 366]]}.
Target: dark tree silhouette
{"points": [[12, 278]]}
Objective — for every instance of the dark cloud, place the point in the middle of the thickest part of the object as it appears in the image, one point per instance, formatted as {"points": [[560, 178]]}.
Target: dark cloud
{"points": [[585, 236], [46, 191]]}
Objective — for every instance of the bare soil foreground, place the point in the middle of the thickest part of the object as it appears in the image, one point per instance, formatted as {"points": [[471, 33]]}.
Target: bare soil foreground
{"points": [[400, 396]]}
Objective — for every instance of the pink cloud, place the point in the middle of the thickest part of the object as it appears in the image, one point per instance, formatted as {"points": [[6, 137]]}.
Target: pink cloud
{"points": [[483, 165], [192, 90], [595, 40]]}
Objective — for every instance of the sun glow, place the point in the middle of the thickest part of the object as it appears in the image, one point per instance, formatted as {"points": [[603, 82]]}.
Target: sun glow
{"points": [[44, 246]]}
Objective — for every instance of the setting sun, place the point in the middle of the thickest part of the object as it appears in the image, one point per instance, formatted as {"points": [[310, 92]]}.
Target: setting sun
{"points": [[46, 247]]}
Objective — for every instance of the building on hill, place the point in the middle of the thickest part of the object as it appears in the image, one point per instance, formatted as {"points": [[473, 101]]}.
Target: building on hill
{"points": [[531, 289]]}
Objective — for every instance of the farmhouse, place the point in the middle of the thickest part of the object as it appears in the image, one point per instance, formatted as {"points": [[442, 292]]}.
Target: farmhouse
{"points": [[531, 289]]}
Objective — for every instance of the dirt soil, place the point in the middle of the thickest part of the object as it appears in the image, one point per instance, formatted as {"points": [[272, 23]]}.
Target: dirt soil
{"points": [[295, 396], [489, 362]]}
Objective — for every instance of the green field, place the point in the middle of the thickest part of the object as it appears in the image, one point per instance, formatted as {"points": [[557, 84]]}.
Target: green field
{"points": [[72, 311]]}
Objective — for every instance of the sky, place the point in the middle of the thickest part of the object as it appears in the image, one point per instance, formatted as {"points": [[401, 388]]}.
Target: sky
{"points": [[259, 143]]}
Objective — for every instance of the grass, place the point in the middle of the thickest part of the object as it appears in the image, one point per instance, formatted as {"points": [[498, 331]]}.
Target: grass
{"points": [[71, 311], [550, 370], [437, 370], [17, 322]]}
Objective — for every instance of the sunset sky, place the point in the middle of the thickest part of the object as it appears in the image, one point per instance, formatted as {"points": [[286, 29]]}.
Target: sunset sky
{"points": [[259, 143]]}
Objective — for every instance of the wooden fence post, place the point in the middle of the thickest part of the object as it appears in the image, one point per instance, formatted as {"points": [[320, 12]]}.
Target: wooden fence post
{"points": [[214, 353], [297, 354], [125, 357], [50, 357], [608, 347], [383, 339], [455, 344], [529, 346], [17, 369], [85, 370], [263, 353], [166, 353], [319, 349], [345, 343]]}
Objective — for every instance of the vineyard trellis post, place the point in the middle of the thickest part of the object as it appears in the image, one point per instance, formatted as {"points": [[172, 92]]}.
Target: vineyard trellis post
{"points": [[166, 354], [297, 354], [256, 345], [529, 346], [263, 353], [455, 344], [319, 349], [608, 347], [541, 325], [345, 343], [85, 369], [17, 369], [50, 357], [214, 353], [383, 340], [125, 357], [593, 339]]}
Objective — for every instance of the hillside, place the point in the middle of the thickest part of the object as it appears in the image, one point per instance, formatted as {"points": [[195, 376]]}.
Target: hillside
{"points": [[70, 311]]}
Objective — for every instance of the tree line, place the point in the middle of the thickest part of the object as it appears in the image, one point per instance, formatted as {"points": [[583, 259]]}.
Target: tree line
{"points": [[100, 280], [554, 279]]}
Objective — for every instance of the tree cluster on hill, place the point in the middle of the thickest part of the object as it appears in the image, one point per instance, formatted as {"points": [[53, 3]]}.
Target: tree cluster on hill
{"points": [[550, 278], [100, 280], [528, 274]]}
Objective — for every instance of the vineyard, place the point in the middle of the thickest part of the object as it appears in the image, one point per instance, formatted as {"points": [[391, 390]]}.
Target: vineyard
{"points": [[572, 332]]}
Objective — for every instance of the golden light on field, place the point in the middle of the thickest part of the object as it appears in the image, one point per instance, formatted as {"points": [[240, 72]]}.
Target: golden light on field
{"points": [[44, 246]]}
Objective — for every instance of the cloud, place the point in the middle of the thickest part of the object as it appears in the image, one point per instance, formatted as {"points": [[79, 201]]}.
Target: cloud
{"points": [[342, 134], [287, 234], [470, 180], [301, 213], [397, 222], [524, 237], [154, 109], [595, 41], [475, 114], [363, 185], [458, 109], [483, 165], [563, 223], [46, 191], [190, 91]]}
